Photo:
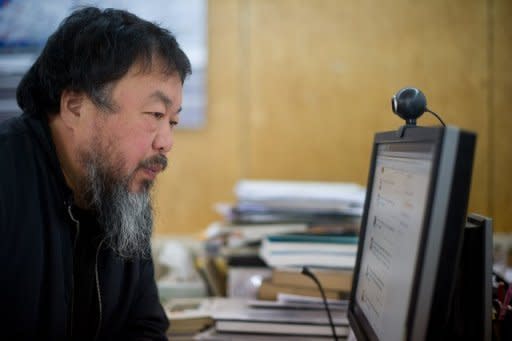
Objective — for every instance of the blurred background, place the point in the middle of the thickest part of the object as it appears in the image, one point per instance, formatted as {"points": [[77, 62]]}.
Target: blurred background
{"points": [[296, 89]]}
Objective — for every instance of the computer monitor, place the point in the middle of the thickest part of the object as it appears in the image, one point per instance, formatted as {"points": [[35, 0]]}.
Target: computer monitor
{"points": [[471, 308], [411, 233]]}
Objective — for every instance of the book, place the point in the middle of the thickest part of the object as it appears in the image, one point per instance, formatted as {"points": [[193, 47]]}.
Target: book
{"points": [[242, 256], [243, 234], [212, 334], [314, 238], [269, 291], [288, 301], [188, 316], [235, 315], [313, 258], [242, 215], [305, 242], [189, 325], [272, 321], [212, 269], [330, 279], [278, 328], [315, 250]]}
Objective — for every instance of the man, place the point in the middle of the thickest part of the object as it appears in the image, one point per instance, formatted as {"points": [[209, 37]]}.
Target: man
{"points": [[100, 104]]}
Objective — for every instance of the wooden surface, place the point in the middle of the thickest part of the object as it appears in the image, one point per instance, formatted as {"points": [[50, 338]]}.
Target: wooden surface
{"points": [[205, 164], [296, 90], [501, 119]]}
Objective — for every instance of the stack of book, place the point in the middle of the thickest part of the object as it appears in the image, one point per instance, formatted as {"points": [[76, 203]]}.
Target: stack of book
{"points": [[314, 203], [247, 237], [232, 266], [335, 283], [242, 319], [310, 249]]}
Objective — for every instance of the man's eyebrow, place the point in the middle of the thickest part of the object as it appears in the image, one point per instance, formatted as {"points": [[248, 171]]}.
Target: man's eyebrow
{"points": [[159, 95]]}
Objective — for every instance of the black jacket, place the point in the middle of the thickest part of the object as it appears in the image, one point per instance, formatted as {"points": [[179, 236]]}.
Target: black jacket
{"points": [[36, 251]]}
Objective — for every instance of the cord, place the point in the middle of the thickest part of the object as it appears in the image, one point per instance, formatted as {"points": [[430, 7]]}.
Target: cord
{"points": [[307, 272], [436, 115]]}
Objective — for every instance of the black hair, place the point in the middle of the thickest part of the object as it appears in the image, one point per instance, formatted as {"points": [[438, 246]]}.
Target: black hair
{"points": [[90, 50]]}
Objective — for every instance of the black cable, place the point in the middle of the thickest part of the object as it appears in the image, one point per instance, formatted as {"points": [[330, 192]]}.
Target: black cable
{"points": [[307, 272], [436, 115]]}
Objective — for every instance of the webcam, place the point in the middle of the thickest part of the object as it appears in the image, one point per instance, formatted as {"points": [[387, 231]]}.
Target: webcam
{"points": [[409, 104]]}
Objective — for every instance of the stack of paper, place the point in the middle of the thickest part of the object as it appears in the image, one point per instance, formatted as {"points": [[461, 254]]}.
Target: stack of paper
{"points": [[231, 316], [296, 201], [313, 196]]}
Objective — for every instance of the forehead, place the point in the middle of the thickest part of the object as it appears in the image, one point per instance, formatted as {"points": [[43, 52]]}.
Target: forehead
{"points": [[145, 85], [156, 65]]}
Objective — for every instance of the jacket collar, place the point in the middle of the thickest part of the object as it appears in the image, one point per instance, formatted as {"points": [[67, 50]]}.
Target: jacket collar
{"points": [[41, 131]]}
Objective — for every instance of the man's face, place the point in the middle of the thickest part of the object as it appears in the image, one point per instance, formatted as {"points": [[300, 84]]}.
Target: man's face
{"points": [[137, 136], [121, 153]]}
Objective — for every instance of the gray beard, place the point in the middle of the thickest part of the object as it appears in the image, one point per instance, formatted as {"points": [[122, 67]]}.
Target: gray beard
{"points": [[126, 218]]}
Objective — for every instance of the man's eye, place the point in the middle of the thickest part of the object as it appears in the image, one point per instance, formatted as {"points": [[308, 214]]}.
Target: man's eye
{"points": [[158, 115]]}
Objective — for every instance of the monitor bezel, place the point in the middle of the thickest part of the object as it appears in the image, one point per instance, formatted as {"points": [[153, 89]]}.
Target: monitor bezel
{"points": [[453, 153]]}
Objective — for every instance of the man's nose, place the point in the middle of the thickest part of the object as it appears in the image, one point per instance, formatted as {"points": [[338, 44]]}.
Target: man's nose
{"points": [[164, 139]]}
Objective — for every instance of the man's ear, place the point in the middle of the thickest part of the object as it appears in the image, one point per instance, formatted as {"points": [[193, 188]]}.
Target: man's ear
{"points": [[71, 106]]}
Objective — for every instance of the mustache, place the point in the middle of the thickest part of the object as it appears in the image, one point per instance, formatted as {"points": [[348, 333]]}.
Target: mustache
{"points": [[157, 160]]}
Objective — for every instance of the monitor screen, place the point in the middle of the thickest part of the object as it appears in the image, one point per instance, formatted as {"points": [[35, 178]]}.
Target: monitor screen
{"points": [[413, 218]]}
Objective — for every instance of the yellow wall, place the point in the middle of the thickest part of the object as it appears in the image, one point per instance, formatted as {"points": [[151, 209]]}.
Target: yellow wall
{"points": [[296, 90]]}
